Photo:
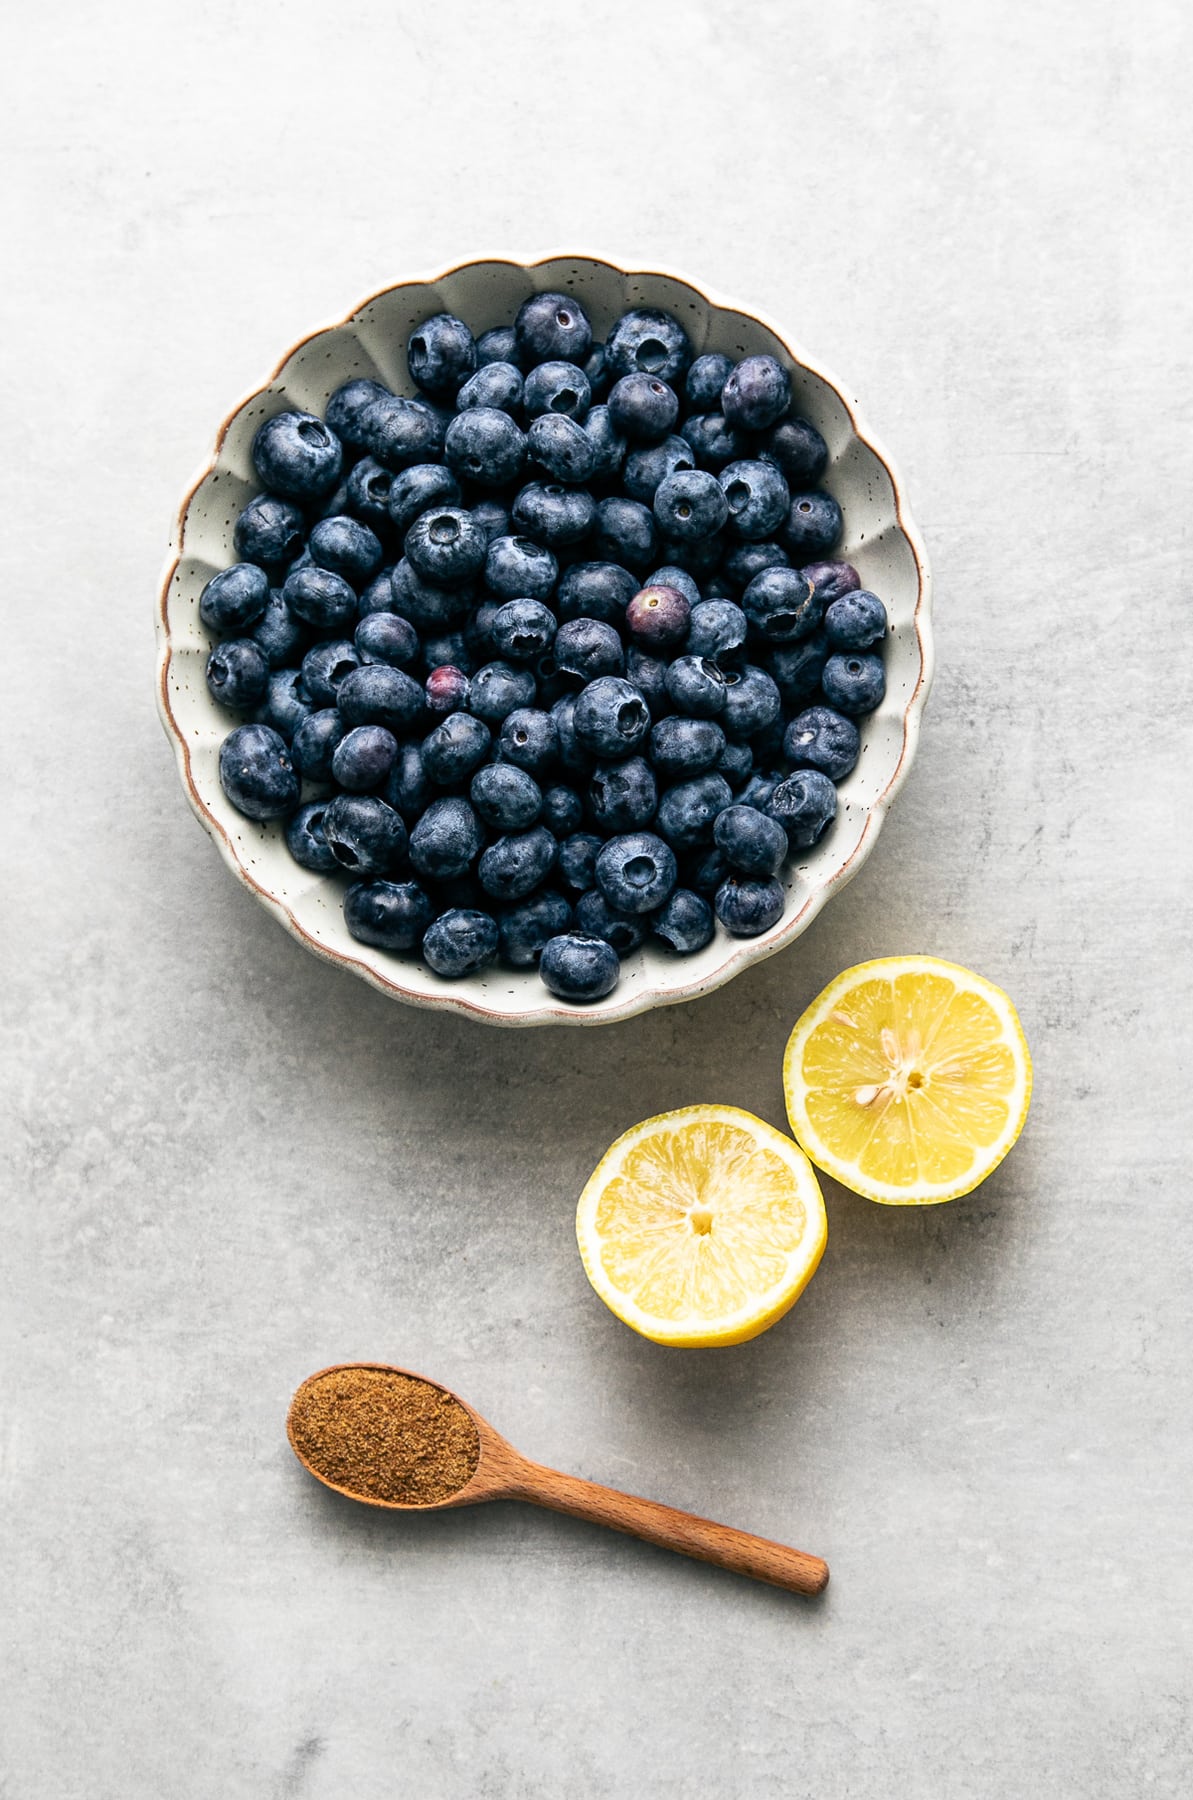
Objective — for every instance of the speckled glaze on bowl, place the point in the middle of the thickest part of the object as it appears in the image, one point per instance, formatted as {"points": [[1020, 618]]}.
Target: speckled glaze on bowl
{"points": [[879, 539]]}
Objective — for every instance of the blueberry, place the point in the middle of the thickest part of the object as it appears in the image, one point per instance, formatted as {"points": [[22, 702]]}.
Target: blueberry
{"points": [[747, 908], [782, 605], [363, 758], [855, 621], [822, 739], [752, 703], [445, 545], [757, 497], [523, 930], [441, 355], [515, 865], [415, 490], [587, 648], [324, 667], [577, 967], [797, 668], [563, 811], [460, 942], [486, 446], [596, 590], [268, 532], [497, 384], [681, 748], [671, 575], [649, 676], [286, 704], [554, 514], [408, 790], [528, 739], [690, 505], [238, 674], [758, 790], [347, 407], [518, 568], [646, 468], [743, 561], [812, 527], [687, 811], [658, 618], [552, 326], [705, 379], [749, 841], [447, 688], [498, 346], [256, 772], [278, 632], [624, 931], [446, 841], [392, 915], [365, 835], [624, 532], [324, 600], [718, 629], [636, 872], [235, 598], [798, 450], [314, 743], [506, 797], [499, 689], [523, 630], [608, 445], [306, 842], [577, 861], [430, 608], [571, 755], [832, 579], [379, 595], [853, 682], [367, 492], [649, 340], [399, 433], [643, 408], [492, 517], [756, 394], [696, 686], [611, 717], [556, 387], [714, 441], [561, 447], [705, 872], [598, 375], [735, 763], [623, 796], [346, 547], [804, 805], [383, 637], [296, 456], [375, 694], [685, 924], [455, 748]]}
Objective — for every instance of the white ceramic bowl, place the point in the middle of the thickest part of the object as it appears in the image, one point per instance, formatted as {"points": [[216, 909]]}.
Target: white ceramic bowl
{"points": [[879, 539]]}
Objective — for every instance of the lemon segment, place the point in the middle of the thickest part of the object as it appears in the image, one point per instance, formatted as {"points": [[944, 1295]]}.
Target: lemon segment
{"points": [[701, 1226], [908, 1079]]}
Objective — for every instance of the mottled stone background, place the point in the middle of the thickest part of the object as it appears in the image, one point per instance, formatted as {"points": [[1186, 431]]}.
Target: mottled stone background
{"points": [[227, 1164]]}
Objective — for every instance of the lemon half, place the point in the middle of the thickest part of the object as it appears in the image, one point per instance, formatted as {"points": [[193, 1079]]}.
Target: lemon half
{"points": [[701, 1226], [908, 1079]]}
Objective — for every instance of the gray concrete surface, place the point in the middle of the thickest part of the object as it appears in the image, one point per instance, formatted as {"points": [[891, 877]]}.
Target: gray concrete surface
{"points": [[226, 1165]]}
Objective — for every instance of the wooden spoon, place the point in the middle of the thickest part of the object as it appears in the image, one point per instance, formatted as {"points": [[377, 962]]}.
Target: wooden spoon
{"points": [[502, 1473]]}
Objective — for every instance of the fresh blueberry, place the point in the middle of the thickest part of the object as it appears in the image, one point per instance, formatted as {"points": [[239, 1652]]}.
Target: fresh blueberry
{"points": [[714, 441], [649, 676], [441, 355], [587, 648], [376, 694], [797, 448], [497, 384], [379, 595], [643, 408], [383, 637], [623, 796], [347, 407], [286, 704], [235, 598], [743, 561], [681, 748], [855, 621], [705, 379], [685, 924], [624, 532], [688, 811], [705, 871], [391, 915], [648, 340], [238, 674], [556, 387], [752, 703], [325, 665], [561, 447], [832, 579], [279, 633], [563, 811], [528, 739], [314, 743], [797, 668], [804, 805], [365, 835], [399, 433], [268, 532], [611, 717], [658, 618], [690, 505], [750, 842], [563, 716], [636, 872], [523, 930], [747, 908], [822, 739], [735, 763], [757, 497], [306, 842], [447, 688], [853, 682], [499, 689], [523, 630], [758, 790], [552, 326], [812, 527], [346, 547], [256, 772], [624, 931], [430, 608], [460, 942], [498, 346], [447, 840], [363, 758], [445, 545], [417, 489], [577, 861], [492, 517], [296, 456], [718, 629], [596, 590], [696, 686], [577, 967], [646, 468], [515, 865], [518, 568], [554, 514], [756, 394], [782, 605], [367, 492], [408, 790], [608, 445], [456, 747], [506, 797], [486, 446], [324, 600]]}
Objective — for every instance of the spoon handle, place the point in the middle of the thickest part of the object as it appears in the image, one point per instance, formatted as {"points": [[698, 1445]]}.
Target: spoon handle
{"points": [[671, 1529]]}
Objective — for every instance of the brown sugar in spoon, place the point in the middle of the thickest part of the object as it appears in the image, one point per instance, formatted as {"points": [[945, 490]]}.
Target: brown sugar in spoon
{"points": [[391, 1438]]}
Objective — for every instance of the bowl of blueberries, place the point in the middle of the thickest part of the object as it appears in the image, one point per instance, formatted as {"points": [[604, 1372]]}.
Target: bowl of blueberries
{"points": [[545, 641]]}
